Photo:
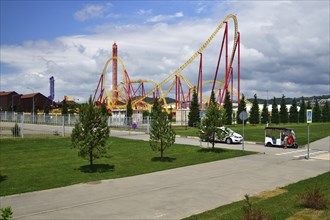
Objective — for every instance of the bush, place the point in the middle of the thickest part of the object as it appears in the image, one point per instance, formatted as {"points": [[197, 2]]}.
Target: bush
{"points": [[250, 213], [16, 131], [313, 198], [6, 213]]}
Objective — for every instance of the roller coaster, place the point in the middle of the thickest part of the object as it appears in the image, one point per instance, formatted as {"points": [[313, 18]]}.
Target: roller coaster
{"points": [[175, 84]]}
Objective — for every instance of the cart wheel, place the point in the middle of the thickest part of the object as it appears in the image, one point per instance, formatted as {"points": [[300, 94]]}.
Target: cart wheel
{"points": [[269, 144]]}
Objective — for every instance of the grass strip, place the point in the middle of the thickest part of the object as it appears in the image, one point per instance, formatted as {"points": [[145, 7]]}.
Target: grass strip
{"points": [[281, 206], [256, 133], [32, 164]]}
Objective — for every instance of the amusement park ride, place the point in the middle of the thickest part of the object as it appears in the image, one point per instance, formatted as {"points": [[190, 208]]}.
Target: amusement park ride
{"points": [[117, 97]]}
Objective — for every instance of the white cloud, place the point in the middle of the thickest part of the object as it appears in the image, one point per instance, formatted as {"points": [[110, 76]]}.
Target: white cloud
{"points": [[92, 11], [284, 50], [162, 18]]}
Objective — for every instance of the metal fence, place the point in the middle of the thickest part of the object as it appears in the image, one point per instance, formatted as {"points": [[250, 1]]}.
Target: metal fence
{"points": [[13, 124]]}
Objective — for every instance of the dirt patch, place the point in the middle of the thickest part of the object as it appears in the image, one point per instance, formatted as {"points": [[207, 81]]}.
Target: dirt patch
{"points": [[270, 194], [306, 214]]}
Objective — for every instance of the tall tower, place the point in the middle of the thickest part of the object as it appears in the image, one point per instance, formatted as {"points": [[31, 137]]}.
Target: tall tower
{"points": [[114, 75]]}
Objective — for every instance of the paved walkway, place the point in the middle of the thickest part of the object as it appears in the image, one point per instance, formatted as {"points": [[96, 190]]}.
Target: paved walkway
{"points": [[170, 194]]}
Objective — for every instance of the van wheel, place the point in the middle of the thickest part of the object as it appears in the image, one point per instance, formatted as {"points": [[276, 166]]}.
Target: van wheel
{"points": [[228, 141], [269, 144]]}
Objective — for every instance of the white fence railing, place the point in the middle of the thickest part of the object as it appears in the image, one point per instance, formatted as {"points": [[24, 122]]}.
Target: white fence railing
{"points": [[21, 124]]}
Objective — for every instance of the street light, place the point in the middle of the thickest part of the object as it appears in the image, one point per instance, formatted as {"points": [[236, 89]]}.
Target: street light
{"points": [[12, 101], [32, 103]]}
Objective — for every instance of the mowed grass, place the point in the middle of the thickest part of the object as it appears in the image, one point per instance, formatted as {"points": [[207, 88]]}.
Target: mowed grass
{"points": [[256, 133], [32, 164], [282, 206]]}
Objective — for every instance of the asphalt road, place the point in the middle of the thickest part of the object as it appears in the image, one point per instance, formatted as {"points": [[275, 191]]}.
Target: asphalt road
{"points": [[176, 193]]}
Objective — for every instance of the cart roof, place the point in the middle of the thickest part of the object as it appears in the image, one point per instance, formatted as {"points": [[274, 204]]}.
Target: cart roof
{"points": [[278, 128]]}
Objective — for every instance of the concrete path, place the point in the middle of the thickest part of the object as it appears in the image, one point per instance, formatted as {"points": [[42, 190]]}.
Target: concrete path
{"points": [[171, 194]]}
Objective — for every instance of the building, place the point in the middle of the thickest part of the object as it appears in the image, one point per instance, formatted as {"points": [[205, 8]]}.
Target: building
{"points": [[12, 101], [8, 100]]}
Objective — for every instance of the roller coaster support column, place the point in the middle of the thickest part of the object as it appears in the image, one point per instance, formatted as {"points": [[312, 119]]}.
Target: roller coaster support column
{"points": [[239, 68], [177, 92], [225, 36], [114, 75], [200, 79], [232, 84]]}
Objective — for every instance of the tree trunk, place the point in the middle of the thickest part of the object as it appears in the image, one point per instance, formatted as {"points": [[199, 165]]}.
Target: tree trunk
{"points": [[213, 141], [161, 150], [90, 156]]}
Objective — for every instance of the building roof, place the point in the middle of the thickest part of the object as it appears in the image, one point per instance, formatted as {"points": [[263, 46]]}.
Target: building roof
{"points": [[26, 96], [3, 93]]}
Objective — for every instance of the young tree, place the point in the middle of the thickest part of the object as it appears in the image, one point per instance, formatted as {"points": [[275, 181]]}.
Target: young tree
{"points": [[193, 116], [254, 113], [90, 133], [284, 117], [317, 117], [129, 109], [162, 135], [293, 117], [104, 109], [241, 108], [228, 106], [46, 108], [214, 118], [275, 116], [212, 98], [326, 112], [64, 108], [156, 109], [302, 111], [265, 113]]}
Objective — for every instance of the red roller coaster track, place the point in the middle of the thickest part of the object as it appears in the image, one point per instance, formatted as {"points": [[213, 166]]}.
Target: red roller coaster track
{"points": [[118, 96]]}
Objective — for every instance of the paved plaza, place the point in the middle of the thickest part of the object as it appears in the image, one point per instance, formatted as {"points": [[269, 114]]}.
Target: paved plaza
{"points": [[175, 193]]}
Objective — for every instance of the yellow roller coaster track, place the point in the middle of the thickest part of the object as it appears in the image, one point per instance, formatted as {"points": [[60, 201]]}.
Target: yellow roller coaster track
{"points": [[172, 75], [196, 54]]}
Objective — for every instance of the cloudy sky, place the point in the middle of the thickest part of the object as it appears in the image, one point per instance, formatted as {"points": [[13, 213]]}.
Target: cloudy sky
{"points": [[284, 44]]}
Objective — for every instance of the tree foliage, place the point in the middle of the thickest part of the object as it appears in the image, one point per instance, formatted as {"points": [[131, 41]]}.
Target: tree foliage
{"points": [[104, 109], [228, 106], [317, 117], [90, 133], [302, 111], [212, 98], [64, 108], [193, 116], [254, 113], [129, 109], [265, 113], [241, 108], [326, 112], [284, 116], [275, 116], [293, 117], [162, 135], [214, 118]]}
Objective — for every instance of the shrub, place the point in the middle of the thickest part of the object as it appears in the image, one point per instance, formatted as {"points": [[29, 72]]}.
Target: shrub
{"points": [[313, 198], [6, 213], [16, 131], [250, 213]]}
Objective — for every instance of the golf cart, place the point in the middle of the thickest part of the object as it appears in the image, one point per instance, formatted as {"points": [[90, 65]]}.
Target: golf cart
{"points": [[281, 137]]}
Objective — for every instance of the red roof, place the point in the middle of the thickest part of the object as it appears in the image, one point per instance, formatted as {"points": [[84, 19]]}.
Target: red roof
{"points": [[26, 96], [3, 93]]}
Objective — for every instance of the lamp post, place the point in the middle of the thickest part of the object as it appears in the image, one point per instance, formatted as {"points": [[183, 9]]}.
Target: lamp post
{"points": [[32, 103], [12, 101]]}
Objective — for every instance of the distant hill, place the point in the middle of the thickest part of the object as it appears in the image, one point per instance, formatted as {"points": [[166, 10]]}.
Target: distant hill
{"points": [[289, 100]]}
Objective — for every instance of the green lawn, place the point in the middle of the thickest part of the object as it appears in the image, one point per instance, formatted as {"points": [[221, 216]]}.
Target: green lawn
{"points": [[32, 164], [256, 132], [282, 206]]}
